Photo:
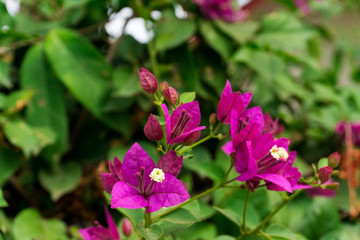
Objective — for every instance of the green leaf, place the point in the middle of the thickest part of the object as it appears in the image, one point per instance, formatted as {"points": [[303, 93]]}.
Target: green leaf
{"points": [[171, 31], [47, 106], [178, 220], [224, 237], [29, 225], [135, 216], [216, 40], [267, 64], [29, 139], [187, 97], [83, 70], [17, 100], [230, 214], [284, 32], [278, 232], [3, 202], [62, 180], [201, 230], [4, 75], [10, 162], [240, 31], [323, 162], [126, 82], [154, 232]]}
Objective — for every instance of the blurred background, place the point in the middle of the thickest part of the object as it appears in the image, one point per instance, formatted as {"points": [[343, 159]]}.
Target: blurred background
{"points": [[70, 99]]}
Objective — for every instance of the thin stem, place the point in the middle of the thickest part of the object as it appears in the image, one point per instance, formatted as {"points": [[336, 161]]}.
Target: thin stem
{"points": [[244, 212], [265, 235], [196, 144], [217, 127], [221, 184], [282, 204], [159, 147], [147, 217]]}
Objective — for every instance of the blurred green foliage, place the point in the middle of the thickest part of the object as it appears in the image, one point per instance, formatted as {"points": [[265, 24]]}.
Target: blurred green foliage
{"points": [[70, 98]]}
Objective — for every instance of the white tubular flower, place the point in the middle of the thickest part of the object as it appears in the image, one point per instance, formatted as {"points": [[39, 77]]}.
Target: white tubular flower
{"points": [[157, 175], [279, 153]]}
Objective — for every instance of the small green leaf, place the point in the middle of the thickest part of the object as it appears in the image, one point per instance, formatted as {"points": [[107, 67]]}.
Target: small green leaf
{"points": [[154, 232], [62, 180], [187, 97], [201, 230], [323, 162], [29, 225], [17, 100], [10, 162], [3, 202], [4, 75], [278, 232], [230, 214]]}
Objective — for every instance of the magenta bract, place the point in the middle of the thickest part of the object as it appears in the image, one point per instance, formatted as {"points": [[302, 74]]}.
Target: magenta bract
{"points": [[231, 101], [182, 123], [325, 174], [220, 9], [101, 233], [171, 95], [148, 81], [139, 190], [266, 159], [152, 129], [109, 179]]}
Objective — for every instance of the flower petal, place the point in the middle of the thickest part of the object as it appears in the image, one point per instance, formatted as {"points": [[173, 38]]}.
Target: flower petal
{"points": [[108, 181], [228, 148], [125, 196], [279, 182], [135, 158], [183, 136], [169, 192], [170, 163], [95, 233], [111, 225], [244, 163], [191, 108]]}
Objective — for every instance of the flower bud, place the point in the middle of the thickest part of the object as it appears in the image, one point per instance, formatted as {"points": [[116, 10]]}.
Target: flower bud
{"points": [[152, 129], [191, 139], [164, 85], [126, 227], [212, 119], [334, 159], [325, 174], [148, 81], [333, 186], [171, 96]]}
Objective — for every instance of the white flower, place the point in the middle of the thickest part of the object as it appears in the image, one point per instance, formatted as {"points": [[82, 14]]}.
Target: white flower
{"points": [[279, 153], [157, 175]]}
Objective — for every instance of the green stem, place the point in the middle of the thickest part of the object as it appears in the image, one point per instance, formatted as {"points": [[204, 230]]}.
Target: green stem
{"points": [[221, 184], [196, 144], [147, 217], [217, 128], [267, 219], [244, 212]]}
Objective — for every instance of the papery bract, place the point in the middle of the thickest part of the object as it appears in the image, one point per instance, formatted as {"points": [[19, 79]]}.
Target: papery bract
{"points": [[140, 190], [325, 174], [109, 179], [171, 96], [183, 122], [220, 9], [148, 81], [231, 101], [101, 233], [319, 191], [266, 159], [272, 126], [152, 129]]}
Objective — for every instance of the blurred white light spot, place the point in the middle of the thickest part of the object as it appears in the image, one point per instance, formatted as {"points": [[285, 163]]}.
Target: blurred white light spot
{"points": [[180, 12], [136, 28], [12, 6], [5, 28], [156, 15], [117, 20], [241, 3]]}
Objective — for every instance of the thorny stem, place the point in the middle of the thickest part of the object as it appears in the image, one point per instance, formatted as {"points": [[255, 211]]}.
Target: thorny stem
{"points": [[267, 219], [221, 184], [244, 212]]}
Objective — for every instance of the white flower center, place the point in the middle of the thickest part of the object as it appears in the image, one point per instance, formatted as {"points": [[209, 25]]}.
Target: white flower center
{"points": [[157, 175], [279, 153]]}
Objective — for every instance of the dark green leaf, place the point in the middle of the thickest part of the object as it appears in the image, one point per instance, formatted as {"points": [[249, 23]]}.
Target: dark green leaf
{"points": [[230, 214], [154, 232], [240, 31], [10, 162], [3, 202], [197, 231], [17, 100], [278, 232], [62, 180], [126, 82], [47, 107], [4, 75]]}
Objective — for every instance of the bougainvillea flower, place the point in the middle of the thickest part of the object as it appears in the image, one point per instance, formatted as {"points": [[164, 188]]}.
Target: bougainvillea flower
{"points": [[246, 126], [183, 122], [355, 130], [101, 233], [272, 126], [220, 9], [147, 185], [231, 101], [266, 159], [109, 179], [152, 129], [148, 81]]}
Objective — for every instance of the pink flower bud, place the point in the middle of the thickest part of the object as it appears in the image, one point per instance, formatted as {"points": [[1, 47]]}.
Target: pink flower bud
{"points": [[212, 119], [152, 129], [164, 85], [334, 159], [333, 186], [171, 96], [126, 227], [325, 174], [148, 81]]}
